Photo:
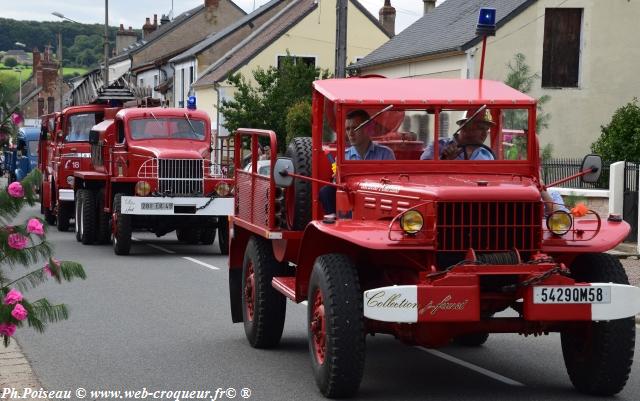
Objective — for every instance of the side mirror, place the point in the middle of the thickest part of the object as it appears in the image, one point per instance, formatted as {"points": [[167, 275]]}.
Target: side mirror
{"points": [[281, 171], [94, 137], [593, 163]]}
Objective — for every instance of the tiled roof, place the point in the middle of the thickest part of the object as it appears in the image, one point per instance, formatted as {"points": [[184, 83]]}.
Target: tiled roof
{"points": [[216, 36], [449, 27]]}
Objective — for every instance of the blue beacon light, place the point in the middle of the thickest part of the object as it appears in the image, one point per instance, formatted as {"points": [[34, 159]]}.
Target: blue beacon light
{"points": [[486, 22], [191, 103]]}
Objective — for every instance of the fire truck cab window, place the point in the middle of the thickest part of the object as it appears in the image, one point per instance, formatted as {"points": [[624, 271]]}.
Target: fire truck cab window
{"points": [[167, 128], [79, 125]]}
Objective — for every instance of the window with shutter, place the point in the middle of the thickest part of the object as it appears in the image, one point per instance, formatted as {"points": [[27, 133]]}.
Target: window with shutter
{"points": [[561, 53]]}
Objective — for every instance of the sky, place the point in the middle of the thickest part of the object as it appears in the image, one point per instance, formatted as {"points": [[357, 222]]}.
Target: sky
{"points": [[133, 12]]}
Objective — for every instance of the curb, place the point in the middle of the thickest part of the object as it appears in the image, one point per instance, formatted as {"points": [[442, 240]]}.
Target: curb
{"points": [[15, 370]]}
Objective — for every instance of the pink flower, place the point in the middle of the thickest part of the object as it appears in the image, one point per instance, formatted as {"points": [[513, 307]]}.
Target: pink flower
{"points": [[34, 226], [19, 312], [47, 268], [7, 329], [17, 241], [16, 118], [15, 190], [13, 297]]}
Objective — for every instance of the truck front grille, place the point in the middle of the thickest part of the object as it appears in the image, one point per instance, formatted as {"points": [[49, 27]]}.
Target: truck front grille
{"points": [[181, 177], [489, 226]]}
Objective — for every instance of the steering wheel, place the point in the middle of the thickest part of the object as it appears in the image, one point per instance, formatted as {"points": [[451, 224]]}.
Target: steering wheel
{"points": [[464, 149]]}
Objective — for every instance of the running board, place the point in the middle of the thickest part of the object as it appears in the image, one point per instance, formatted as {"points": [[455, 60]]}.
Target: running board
{"points": [[286, 286]]}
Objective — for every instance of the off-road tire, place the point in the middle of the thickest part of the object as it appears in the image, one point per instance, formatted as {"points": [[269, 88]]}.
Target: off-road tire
{"points": [[188, 235], [65, 212], [598, 355], [78, 214], [208, 235], [263, 308], [49, 216], [103, 232], [122, 230], [88, 216], [299, 194], [339, 372], [223, 235]]}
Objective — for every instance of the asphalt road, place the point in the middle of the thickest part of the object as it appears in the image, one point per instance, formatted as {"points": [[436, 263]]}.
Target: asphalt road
{"points": [[159, 321]]}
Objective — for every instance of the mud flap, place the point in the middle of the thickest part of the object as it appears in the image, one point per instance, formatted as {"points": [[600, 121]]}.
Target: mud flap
{"points": [[235, 294]]}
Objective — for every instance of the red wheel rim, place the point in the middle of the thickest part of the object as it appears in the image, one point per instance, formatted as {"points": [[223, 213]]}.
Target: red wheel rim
{"points": [[318, 328], [249, 291]]}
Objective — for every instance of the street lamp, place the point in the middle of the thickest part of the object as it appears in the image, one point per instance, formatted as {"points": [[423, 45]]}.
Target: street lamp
{"points": [[60, 15], [19, 44]]}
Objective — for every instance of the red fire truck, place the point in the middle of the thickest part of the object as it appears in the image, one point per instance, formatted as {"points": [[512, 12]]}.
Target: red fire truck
{"points": [[151, 170], [64, 148], [427, 248]]}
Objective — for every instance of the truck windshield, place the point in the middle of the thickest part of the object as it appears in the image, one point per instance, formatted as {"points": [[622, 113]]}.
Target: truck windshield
{"points": [[167, 128], [479, 133], [79, 125]]}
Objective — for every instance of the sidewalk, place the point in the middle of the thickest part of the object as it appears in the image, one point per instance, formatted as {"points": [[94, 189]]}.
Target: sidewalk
{"points": [[15, 370]]}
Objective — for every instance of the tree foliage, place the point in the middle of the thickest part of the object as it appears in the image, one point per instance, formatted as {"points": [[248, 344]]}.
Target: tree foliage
{"points": [[299, 120], [620, 139], [267, 104], [10, 61], [40, 34]]}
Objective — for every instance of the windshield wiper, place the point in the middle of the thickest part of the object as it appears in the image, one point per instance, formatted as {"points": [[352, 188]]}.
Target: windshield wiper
{"points": [[190, 125], [372, 117]]}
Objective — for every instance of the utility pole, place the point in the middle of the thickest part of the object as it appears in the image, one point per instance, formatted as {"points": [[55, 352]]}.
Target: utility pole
{"points": [[341, 38], [61, 73], [106, 44]]}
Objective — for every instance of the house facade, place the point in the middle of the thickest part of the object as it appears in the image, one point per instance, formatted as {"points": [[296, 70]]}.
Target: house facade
{"points": [[583, 52], [304, 29]]}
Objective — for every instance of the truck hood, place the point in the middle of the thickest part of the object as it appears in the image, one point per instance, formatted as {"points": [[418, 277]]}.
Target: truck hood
{"points": [[449, 187], [164, 149]]}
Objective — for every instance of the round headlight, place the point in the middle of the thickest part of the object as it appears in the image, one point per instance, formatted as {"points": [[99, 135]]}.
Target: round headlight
{"points": [[223, 189], [70, 180], [143, 188], [559, 222], [411, 222]]}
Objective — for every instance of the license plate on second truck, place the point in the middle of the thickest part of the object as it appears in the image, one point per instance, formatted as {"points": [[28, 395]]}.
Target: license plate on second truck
{"points": [[156, 206], [571, 295]]}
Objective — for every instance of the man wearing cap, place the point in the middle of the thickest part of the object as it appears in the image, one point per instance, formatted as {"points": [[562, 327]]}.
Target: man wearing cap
{"points": [[472, 135]]}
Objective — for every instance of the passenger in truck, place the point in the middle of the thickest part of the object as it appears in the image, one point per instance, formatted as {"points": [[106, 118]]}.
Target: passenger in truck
{"points": [[468, 144]]}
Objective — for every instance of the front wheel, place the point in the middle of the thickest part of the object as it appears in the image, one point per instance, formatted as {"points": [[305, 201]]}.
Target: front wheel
{"points": [[121, 234], [335, 326], [598, 355], [87, 216], [263, 308]]}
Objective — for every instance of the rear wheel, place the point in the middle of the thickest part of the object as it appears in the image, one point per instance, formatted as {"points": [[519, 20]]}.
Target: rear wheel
{"points": [[223, 235], [208, 235], [78, 214], [263, 308], [65, 211], [336, 326], [298, 196], [103, 233], [188, 235], [598, 355], [121, 235]]}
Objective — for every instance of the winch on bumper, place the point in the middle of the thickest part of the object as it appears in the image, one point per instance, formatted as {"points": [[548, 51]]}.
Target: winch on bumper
{"points": [[456, 297], [168, 206]]}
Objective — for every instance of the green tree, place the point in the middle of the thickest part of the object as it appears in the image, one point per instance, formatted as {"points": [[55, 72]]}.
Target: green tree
{"points": [[267, 104], [521, 78], [299, 120], [10, 62], [620, 139]]}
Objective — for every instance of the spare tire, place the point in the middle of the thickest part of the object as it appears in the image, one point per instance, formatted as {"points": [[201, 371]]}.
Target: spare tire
{"points": [[298, 195]]}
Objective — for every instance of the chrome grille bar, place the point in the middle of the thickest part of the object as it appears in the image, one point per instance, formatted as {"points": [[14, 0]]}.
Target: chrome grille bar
{"points": [[182, 177]]}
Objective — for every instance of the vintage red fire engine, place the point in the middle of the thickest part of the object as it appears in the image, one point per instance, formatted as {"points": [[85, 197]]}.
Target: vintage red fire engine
{"points": [[152, 170], [64, 148], [430, 246]]}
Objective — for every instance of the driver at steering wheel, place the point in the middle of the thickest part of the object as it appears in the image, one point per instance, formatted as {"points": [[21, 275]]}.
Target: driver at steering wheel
{"points": [[468, 144]]}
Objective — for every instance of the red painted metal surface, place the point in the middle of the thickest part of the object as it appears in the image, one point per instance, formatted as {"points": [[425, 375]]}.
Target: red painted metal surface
{"points": [[318, 327], [286, 286]]}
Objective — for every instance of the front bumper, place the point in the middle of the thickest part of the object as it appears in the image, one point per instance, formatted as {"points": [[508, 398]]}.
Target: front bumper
{"points": [[178, 206], [66, 195], [461, 303]]}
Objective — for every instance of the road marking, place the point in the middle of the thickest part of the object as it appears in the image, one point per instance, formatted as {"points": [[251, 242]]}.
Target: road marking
{"points": [[305, 303], [212, 267], [476, 368]]}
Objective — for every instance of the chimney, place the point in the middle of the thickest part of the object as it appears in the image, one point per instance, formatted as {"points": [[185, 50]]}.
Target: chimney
{"points": [[388, 18], [147, 28], [155, 21], [429, 5], [211, 3], [124, 39], [36, 58]]}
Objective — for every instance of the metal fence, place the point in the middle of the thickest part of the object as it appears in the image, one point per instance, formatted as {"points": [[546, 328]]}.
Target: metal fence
{"points": [[556, 169]]}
